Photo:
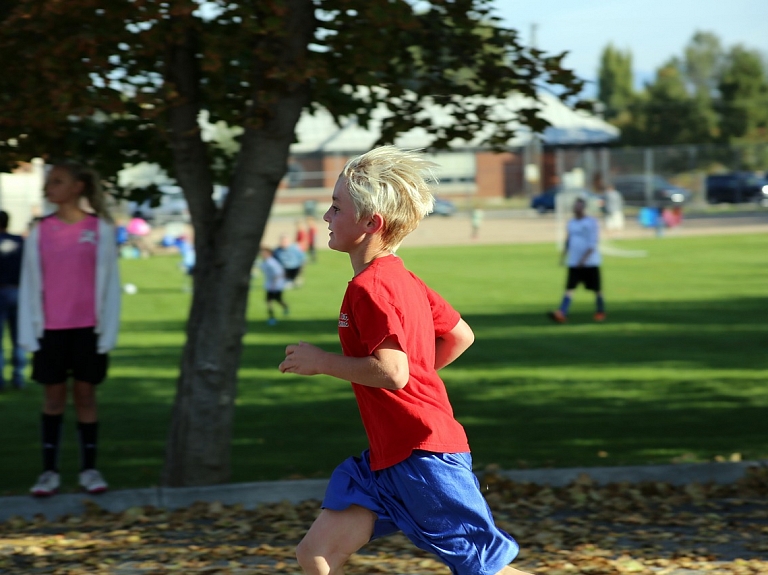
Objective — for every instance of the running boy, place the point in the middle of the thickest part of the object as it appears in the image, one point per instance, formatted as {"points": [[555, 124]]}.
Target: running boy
{"points": [[274, 283], [396, 333], [583, 255]]}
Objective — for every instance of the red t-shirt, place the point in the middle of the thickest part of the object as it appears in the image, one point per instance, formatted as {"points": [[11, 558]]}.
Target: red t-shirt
{"points": [[387, 300]]}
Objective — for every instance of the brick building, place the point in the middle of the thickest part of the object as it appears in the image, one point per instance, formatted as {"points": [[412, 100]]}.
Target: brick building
{"points": [[467, 170]]}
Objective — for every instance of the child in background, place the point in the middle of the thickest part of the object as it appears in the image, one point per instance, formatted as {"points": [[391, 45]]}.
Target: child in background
{"points": [[11, 248], [274, 283], [311, 238], [69, 313], [396, 333], [583, 258], [291, 257]]}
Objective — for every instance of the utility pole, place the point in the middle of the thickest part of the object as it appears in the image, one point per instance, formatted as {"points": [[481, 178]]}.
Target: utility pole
{"points": [[534, 171]]}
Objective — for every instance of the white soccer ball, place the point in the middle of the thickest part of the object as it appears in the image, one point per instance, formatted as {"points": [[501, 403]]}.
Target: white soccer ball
{"points": [[130, 289]]}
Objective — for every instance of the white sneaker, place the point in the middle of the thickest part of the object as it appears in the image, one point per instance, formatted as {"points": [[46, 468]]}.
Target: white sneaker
{"points": [[92, 481], [47, 484]]}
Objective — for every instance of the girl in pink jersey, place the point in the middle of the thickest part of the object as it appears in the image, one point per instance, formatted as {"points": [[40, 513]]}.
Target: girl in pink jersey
{"points": [[69, 306]]}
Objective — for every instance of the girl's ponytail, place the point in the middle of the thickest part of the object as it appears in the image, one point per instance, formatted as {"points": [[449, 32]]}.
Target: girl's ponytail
{"points": [[92, 188]]}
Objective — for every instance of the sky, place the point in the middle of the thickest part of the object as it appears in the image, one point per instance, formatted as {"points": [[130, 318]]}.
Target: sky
{"points": [[653, 30]]}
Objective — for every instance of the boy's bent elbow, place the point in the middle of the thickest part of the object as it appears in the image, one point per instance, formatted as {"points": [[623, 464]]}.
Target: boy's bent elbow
{"points": [[400, 383], [393, 369], [398, 378], [464, 335]]}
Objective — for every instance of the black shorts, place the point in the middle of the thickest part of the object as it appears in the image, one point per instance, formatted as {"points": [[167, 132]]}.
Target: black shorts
{"points": [[292, 273], [589, 276], [275, 296], [66, 353]]}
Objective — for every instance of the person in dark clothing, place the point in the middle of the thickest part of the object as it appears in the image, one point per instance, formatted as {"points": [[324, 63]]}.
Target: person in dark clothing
{"points": [[11, 247]]}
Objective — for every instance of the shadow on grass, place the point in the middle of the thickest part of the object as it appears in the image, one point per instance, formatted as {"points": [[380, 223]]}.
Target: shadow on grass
{"points": [[128, 326], [728, 334], [716, 335], [528, 392]]}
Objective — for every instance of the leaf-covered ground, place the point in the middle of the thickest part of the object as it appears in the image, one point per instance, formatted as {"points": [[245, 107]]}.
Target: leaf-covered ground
{"points": [[648, 528]]}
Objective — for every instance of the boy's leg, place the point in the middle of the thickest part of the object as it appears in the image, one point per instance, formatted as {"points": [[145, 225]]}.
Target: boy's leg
{"points": [[333, 537], [512, 571], [19, 358], [560, 315], [271, 308], [279, 299], [599, 307], [596, 286], [565, 304]]}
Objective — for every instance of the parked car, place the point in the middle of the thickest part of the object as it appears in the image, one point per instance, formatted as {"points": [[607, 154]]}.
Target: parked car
{"points": [[663, 193], [547, 200], [443, 207], [173, 206], [736, 187]]}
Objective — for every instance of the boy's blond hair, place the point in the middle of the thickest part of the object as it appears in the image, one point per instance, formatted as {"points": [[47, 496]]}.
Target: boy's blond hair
{"points": [[393, 183]]}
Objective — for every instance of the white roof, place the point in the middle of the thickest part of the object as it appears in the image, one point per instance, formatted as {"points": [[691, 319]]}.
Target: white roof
{"points": [[319, 133]]}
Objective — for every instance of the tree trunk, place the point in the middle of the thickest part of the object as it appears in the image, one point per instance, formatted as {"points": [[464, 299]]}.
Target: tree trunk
{"points": [[226, 244]]}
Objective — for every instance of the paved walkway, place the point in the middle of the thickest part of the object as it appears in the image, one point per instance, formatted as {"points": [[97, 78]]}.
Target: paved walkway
{"points": [[523, 226], [250, 495]]}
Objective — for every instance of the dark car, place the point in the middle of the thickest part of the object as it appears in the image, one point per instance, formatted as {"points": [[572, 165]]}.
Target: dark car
{"points": [[736, 187], [443, 207], [545, 201], [663, 193]]}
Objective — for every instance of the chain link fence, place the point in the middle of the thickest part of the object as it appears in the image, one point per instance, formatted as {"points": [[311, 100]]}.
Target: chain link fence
{"points": [[685, 166]]}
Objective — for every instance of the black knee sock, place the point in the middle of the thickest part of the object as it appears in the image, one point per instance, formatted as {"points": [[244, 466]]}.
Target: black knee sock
{"points": [[50, 427], [88, 433]]}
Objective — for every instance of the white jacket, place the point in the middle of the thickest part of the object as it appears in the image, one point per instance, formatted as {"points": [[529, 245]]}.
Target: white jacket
{"points": [[31, 321]]}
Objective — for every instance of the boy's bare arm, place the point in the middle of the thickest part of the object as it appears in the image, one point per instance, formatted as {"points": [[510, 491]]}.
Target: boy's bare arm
{"points": [[452, 344], [387, 367]]}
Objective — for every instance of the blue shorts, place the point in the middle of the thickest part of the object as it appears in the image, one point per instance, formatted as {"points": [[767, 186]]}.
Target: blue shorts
{"points": [[435, 500]]}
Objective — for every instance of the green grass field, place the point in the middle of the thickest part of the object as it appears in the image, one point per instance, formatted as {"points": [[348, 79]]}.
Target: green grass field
{"points": [[677, 372]]}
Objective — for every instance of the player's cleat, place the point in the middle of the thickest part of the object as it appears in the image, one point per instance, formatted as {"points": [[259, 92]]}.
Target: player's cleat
{"points": [[600, 316], [92, 481], [271, 321], [557, 316], [47, 484]]}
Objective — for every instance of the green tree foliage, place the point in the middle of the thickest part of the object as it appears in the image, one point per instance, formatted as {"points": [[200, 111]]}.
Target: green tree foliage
{"points": [[125, 81], [615, 82], [743, 104], [710, 95], [666, 113], [703, 63]]}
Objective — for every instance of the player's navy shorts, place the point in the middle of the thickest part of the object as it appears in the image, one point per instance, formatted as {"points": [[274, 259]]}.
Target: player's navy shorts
{"points": [[274, 295], [69, 352], [589, 276], [435, 500]]}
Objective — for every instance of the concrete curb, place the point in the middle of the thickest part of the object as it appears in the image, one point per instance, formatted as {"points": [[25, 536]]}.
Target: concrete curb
{"points": [[251, 495], [675, 474]]}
